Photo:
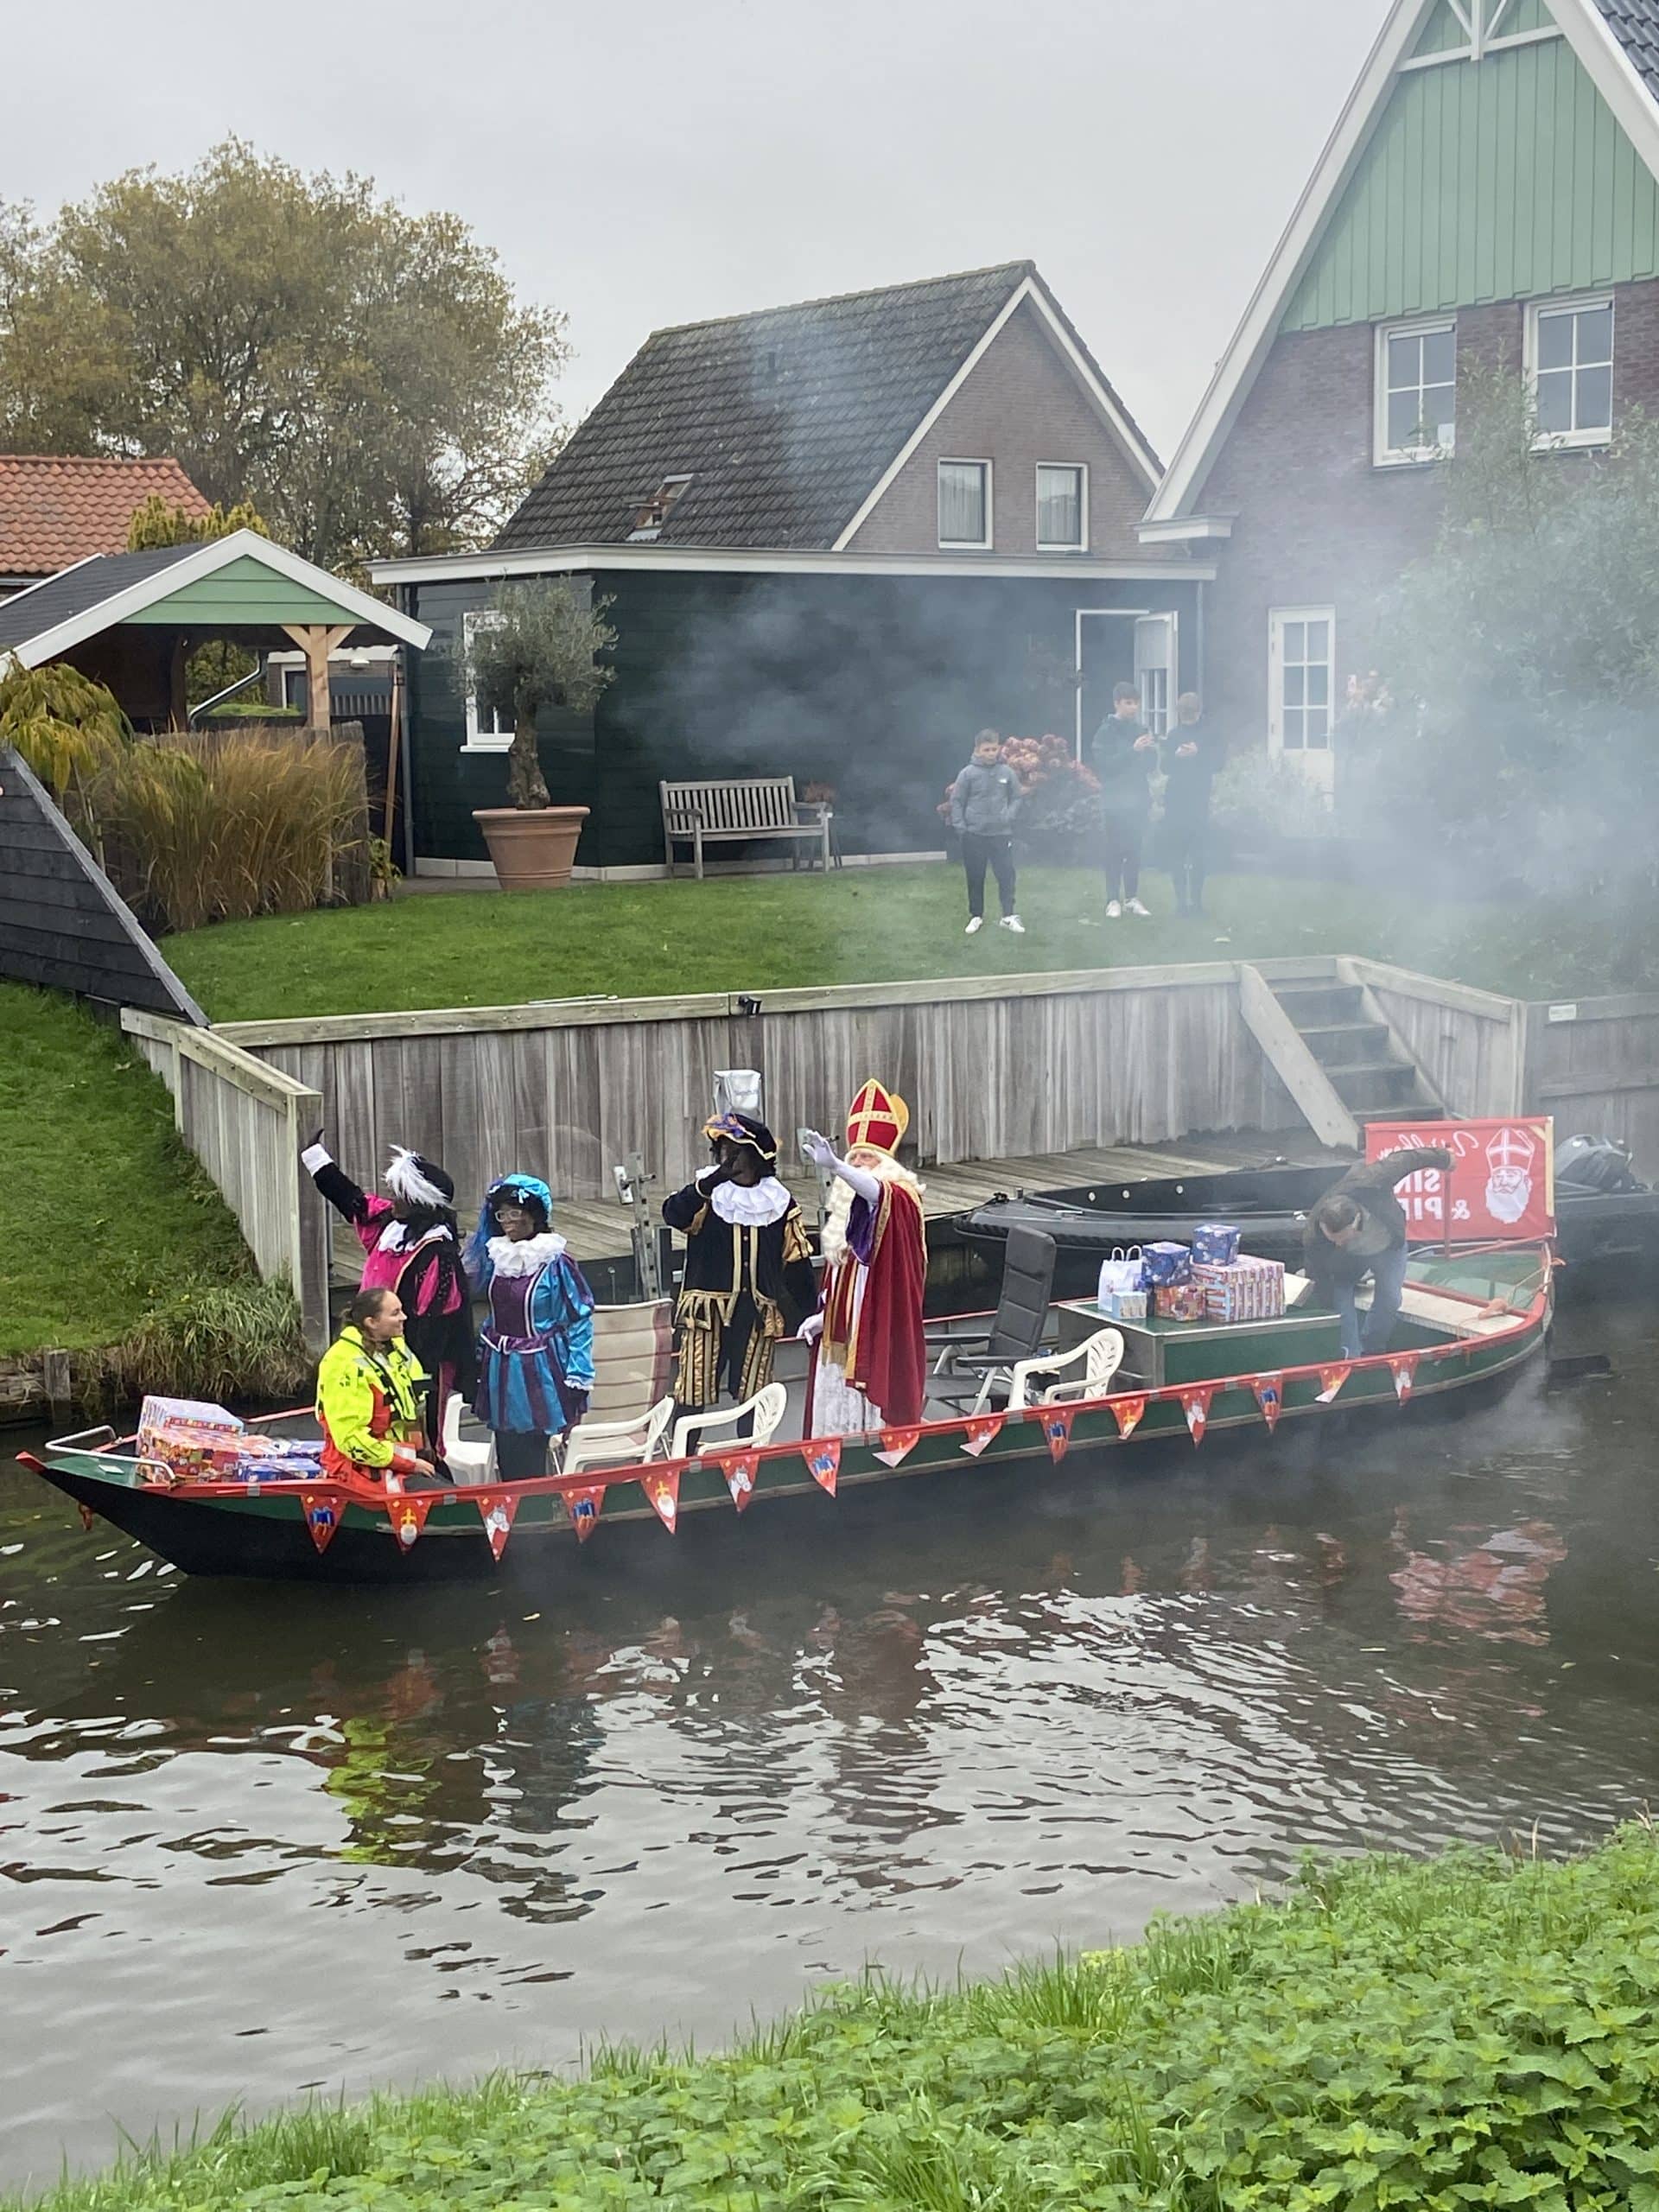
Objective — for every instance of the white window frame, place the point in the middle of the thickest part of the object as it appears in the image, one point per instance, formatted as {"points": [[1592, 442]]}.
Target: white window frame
{"points": [[1383, 455], [1576, 304], [478, 741], [964, 544], [1080, 544], [1316, 758]]}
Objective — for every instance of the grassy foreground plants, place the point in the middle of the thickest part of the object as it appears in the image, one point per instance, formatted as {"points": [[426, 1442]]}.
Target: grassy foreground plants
{"points": [[1478, 2030]]}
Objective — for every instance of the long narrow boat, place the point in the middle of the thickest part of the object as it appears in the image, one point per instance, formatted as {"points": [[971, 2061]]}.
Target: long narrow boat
{"points": [[1470, 1324]]}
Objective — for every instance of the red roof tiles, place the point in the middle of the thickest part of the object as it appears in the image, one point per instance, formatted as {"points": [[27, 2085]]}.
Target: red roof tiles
{"points": [[56, 508]]}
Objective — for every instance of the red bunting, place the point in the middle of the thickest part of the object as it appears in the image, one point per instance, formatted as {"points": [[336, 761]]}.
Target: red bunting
{"points": [[409, 1516], [1332, 1380], [1128, 1413], [1402, 1366], [497, 1509], [1057, 1429], [663, 1491], [584, 1507], [980, 1432], [1269, 1392], [322, 1518], [739, 1469], [824, 1462], [1195, 1404], [896, 1443]]}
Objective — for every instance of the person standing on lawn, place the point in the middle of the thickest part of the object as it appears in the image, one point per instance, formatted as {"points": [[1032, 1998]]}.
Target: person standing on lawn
{"points": [[1124, 753], [984, 803], [1193, 753], [1359, 1228]]}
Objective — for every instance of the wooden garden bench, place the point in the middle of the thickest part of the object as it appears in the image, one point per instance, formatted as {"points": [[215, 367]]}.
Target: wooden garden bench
{"points": [[732, 811]]}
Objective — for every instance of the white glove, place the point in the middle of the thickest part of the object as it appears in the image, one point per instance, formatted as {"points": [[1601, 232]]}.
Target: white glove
{"points": [[810, 1330], [819, 1150]]}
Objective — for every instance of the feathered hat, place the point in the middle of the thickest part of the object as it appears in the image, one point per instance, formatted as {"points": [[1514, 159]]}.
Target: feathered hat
{"points": [[414, 1181], [878, 1117], [743, 1128]]}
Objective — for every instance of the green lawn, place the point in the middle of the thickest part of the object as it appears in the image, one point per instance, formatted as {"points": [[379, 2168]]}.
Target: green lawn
{"points": [[879, 925], [103, 1215]]}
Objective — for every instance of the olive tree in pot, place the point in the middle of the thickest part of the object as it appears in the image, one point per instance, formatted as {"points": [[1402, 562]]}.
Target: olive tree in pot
{"points": [[539, 647]]}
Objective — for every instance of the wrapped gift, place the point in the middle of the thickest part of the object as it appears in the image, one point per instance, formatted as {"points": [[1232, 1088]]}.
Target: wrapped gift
{"points": [[1124, 1305], [192, 1439], [1167, 1263], [1215, 1244], [1179, 1301], [193, 1413], [1244, 1290], [1124, 1271]]}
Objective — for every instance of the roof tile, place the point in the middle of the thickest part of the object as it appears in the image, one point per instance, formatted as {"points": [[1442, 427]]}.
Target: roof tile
{"points": [[1635, 23], [56, 508]]}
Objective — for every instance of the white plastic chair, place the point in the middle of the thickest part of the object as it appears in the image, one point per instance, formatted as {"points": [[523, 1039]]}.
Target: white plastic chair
{"points": [[767, 1406], [616, 1443], [468, 1464], [1102, 1356]]}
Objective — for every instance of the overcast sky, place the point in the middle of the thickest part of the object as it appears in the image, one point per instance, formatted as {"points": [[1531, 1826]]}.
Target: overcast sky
{"points": [[656, 161]]}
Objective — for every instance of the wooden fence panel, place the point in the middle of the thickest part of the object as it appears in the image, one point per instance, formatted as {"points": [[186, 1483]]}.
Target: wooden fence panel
{"points": [[1469, 1043], [1594, 1065]]}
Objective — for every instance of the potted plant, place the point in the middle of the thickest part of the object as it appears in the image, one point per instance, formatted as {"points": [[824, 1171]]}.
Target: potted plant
{"points": [[539, 648]]}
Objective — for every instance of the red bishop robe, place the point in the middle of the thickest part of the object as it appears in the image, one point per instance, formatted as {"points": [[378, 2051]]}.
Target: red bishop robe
{"points": [[877, 1340]]}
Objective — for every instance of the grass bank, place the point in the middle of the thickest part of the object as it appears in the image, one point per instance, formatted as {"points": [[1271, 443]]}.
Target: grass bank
{"points": [[882, 925], [1471, 2032]]}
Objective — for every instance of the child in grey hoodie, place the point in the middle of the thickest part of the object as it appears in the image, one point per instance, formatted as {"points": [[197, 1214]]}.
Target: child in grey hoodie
{"points": [[984, 801]]}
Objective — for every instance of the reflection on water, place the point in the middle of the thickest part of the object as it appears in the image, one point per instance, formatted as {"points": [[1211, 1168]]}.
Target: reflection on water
{"points": [[256, 1840]]}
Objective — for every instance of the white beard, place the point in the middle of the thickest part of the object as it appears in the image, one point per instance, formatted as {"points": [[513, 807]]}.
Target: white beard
{"points": [[838, 1210]]}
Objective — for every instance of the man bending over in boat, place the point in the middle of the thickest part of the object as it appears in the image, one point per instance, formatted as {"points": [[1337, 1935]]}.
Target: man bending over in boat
{"points": [[1359, 1228], [371, 1393]]}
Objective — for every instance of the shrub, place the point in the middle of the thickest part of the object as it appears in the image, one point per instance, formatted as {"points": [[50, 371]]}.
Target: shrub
{"points": [[222, 1341], [1259, 796]]}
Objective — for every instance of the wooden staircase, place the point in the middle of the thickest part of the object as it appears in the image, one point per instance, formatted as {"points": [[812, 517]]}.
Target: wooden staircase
{"points": [[1333, 1048]]}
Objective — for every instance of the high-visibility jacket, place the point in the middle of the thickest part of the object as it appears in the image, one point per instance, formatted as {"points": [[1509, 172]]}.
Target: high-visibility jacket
{"points": [[369, 1403]]}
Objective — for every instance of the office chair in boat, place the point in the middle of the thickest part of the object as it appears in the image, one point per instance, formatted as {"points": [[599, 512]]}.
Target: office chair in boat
{"points": [[1101, 1357], [616, 1443], [768, 1406], [970, 1369]]}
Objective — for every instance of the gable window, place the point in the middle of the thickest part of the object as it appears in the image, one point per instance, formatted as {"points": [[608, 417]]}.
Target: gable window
{"points": [[1301, 658], [965, 502], [653, 513], [1570, 368], [1062, 506], [489, 720], [1416, 391]]}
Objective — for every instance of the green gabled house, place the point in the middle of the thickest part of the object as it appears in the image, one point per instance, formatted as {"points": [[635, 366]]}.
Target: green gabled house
{"points": [[1489, 194]]}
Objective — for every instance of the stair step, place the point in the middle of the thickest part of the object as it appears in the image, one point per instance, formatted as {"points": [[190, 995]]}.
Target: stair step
{"points": [[1312, 1005], [1410, 1113], [1342, 1044], [1388, 1085]]}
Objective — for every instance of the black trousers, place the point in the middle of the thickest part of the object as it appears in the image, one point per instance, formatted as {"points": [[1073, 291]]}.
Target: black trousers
{"points": [[1186, 842], [1121, 853], [520, 1453], [977, 854]]}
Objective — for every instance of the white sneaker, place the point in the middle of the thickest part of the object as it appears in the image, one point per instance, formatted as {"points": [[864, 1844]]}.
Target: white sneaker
{"points": [[1135, 907], [1114, 912], [975, 926], [1012, 922]]}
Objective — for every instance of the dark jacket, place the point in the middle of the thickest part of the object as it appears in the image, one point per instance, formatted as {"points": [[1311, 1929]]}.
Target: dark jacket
{"points": [[1371, 1187], [1120, 771], [772, 1261], [1186, 794], [984, 801]]}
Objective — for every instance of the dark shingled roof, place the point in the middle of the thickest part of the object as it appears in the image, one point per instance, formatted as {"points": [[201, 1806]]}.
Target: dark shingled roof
{"points": [[88, 584], [1635, 23], [783, 420]]}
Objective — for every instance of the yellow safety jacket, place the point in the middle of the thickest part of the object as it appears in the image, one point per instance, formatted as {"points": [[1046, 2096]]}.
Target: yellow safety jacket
{"points": [[369, 1403]]}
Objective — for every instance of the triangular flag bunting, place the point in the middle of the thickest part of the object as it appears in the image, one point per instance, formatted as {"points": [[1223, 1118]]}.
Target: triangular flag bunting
{"points": [[663, 1491], [1128, 1413], [739, 1467], [824, 1462], [409, 1516], [496, 1509], [1195, 1404], [1057, 1429], [1402, 1366], [896, 1443], [584, 1507], [322, 1518], [1332, 1380], [980, 1432], [1269, 1391]]}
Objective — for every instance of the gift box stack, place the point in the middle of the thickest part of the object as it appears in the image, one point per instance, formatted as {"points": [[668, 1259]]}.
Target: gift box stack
{"points": [[192, 1440], [1242, 1290]]}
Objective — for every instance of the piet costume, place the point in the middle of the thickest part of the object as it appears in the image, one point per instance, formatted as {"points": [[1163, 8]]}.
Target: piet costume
{"points": [[535, 1354], [411, 1244], [747, 1254], [871, 1367]]}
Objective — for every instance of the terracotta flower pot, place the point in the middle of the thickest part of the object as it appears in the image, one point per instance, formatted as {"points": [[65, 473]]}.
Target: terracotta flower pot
{"points": [[532, 850]]}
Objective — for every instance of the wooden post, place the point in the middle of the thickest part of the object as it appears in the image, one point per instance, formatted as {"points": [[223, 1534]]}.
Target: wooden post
{"points": [[178, 695], [316, 640]]}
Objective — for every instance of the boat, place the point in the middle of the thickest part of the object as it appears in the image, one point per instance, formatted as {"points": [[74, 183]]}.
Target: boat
{"points": [[1470, 1323]]}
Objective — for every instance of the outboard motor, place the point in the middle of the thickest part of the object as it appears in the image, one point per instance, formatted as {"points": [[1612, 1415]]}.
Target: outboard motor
{"points": [[1595, 1164]]}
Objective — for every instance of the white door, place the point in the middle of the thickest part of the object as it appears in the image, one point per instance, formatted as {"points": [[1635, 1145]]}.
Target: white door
{"points": [[1301, 686], [1155, 669]]}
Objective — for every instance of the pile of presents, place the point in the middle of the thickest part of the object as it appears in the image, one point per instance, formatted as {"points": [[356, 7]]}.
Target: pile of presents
{"points": [[1208, 1280], [189, 1440]]}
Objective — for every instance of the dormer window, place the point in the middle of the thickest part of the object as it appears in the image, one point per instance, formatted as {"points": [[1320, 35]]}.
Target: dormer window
{"points": [[654, 511]]}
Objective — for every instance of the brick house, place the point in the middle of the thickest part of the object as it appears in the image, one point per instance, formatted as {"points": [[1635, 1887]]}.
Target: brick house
{"points": [[837, 538], [56, 509], [1488, 195]]}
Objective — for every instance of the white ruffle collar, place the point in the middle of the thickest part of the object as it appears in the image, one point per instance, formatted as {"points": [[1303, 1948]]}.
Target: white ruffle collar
{"points": [[394, 1237], [523, 1256], [751, 1205]]}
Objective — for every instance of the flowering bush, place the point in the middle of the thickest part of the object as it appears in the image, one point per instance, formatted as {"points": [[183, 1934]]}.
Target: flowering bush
{"points": [[1060, 796]]}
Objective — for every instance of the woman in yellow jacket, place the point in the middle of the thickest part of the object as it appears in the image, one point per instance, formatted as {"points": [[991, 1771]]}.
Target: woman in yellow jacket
{"points": [[370, 1394]]}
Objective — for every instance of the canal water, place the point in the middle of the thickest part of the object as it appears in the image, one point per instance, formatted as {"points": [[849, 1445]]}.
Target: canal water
{"points": [[258, 1841]]}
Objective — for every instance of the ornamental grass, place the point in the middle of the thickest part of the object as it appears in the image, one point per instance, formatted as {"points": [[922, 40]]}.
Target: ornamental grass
{"points": [[1477, 2031]]}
